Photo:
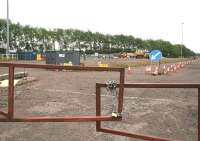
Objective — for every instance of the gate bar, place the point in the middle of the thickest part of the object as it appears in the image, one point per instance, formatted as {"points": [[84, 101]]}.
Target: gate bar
{"points": [[61, 119], [47, 66], [156, 85], [147, 85], [138, 136]]}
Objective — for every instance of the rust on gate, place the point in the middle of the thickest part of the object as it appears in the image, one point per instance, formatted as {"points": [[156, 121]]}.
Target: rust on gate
{"points": [[143, 85], [9, 116]]}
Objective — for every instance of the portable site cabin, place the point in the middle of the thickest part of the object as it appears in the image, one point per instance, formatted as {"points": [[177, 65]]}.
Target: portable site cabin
{"points": [[61, 57], [29, 55]]}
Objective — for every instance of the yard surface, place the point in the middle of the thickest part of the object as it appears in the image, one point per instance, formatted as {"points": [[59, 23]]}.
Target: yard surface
{"points": [[169, 113]]}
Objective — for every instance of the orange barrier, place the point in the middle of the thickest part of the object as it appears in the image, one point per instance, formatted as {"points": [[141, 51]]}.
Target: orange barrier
{"points": [[166, 69]]}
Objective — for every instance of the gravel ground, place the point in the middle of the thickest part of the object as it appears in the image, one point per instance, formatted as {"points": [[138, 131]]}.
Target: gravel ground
{"points": [[170, 113]]}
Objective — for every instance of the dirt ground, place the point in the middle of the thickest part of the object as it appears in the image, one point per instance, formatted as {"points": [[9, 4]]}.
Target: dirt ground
{"points": [[169, 113]]}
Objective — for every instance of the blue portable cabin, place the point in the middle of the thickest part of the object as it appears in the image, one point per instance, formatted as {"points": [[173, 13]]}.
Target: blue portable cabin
{"points": [[29, 55]]}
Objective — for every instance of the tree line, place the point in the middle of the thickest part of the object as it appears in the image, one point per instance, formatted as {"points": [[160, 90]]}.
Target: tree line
{"points": [[27, 38]]}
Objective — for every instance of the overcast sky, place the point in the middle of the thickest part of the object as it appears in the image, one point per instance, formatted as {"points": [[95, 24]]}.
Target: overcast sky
{"points": [[146, 19]]}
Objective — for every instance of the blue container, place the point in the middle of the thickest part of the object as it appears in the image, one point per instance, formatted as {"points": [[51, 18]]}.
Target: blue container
{"points": [[26, 55]]}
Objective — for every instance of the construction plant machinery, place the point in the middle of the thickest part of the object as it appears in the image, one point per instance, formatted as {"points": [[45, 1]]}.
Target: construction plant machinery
{"points": [[138, 54]]}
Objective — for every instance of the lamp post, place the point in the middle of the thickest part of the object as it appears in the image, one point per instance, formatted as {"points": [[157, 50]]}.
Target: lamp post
{"points": [[7, 49], [182, 39], [109, 50], [84, 55]]}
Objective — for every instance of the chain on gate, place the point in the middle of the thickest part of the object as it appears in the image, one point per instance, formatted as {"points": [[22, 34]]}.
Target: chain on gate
{"points": [[112, 90]]}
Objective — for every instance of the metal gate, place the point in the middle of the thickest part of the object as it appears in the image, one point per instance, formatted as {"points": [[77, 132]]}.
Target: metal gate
{"points": [[98, 118], [99, 128], [9, 115]]}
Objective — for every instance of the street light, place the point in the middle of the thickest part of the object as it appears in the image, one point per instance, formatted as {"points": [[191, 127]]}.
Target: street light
{"points": [[7, 49], [182, 39]]}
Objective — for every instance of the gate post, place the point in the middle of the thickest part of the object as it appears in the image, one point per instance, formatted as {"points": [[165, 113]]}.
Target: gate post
{"points": [[121, 91], [98, 106], [198, 114], [11, 93]]}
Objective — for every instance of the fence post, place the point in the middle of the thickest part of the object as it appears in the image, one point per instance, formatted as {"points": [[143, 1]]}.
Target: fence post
{"points": [[121, 91], [11, 92], [98, 106]]}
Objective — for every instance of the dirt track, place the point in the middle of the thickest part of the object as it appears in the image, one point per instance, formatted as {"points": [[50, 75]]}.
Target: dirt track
{"points": [[170, 113]]}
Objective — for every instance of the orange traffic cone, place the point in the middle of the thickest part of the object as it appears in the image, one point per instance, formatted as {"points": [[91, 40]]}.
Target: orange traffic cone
{"points": [[155, 72], [168, 69], [175, 68], [148, 70], [129, 70]]}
